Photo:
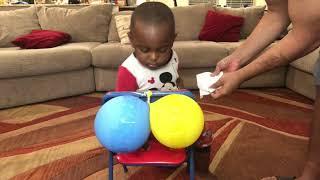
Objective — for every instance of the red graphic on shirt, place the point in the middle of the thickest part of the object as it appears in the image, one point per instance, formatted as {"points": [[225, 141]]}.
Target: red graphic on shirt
{"points": [[151, 81]]}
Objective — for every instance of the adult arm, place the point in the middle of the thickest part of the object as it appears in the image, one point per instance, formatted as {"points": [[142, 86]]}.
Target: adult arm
{"points": [[271, 25], [301, 40]]}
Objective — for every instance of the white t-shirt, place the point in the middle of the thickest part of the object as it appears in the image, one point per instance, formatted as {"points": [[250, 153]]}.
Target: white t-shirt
{"points": [[164, 78]]}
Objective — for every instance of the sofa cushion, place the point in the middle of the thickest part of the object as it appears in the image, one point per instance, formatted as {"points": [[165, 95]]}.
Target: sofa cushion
{"points": [[29, 62], [123, 27], [32, 89], [232, 46], [251, 15], [192, 54], [189, 20], [88, 24], [110, 55], [301, 82], [38, 39], [307, 62], [113, 35], [15, 23], [221, 27], [199, 54], [187, 26]]}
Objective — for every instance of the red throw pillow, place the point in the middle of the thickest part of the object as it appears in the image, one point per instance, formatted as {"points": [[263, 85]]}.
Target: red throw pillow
{"points": [[220, 27], [38, 39]]}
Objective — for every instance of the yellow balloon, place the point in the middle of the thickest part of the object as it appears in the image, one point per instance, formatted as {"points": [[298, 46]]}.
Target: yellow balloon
{"points": [[176, 120]]}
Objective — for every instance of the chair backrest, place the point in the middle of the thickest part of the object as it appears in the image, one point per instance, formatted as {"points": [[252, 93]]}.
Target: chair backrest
{"points": [[143, 95]]}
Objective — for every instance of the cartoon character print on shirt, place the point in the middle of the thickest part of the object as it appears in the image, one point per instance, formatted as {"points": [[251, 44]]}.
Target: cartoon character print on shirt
{"points": [[166, 79], [151, 81]]}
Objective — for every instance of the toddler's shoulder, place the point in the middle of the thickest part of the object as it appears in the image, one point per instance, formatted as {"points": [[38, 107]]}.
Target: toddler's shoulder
{"points": [[130, 62], [174, 58]]}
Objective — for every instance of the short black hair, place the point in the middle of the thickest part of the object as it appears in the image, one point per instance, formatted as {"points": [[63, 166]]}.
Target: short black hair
{"points": [[153, 13]]}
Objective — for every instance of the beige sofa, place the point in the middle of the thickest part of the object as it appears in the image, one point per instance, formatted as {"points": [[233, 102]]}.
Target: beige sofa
{"points": [[88, 65]]}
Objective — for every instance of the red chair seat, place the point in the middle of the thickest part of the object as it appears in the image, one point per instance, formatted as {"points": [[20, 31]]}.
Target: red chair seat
{"points": [[155, 154]]}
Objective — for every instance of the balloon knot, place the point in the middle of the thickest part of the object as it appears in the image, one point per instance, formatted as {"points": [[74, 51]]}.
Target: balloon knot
{"points": [[148, 94]]}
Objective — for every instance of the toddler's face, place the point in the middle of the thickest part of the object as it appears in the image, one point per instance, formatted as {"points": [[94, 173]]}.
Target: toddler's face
{"points": [[152, 44]]}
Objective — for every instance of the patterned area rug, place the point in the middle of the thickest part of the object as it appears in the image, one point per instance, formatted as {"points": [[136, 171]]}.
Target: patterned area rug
{"points": [[257, 133]]}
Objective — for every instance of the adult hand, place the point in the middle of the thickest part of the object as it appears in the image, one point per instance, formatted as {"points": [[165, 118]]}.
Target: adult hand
{"points": [[227, 64], [226, 84], [230, 80]]}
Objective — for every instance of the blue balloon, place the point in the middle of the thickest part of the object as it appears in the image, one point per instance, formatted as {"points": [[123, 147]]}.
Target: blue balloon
{"points": [[122, 124]]}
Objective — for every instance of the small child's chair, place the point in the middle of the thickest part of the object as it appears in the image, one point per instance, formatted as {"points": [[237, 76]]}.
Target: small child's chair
{"points": [[155, 154]]}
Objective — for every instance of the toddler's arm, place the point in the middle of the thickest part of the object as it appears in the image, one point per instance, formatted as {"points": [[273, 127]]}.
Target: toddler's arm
{"points": [[125, 80]]}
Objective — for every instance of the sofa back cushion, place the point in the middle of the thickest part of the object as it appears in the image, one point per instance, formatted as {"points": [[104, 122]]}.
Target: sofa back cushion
{"points": [[15, 23], [123, 27], [88, 24], [251, 15], [221, 27], [189, 20], [113, 32]]}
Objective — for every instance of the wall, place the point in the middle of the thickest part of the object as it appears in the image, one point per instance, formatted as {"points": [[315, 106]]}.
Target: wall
{"points": [[170, 3], [260, 2], [256, 2]]}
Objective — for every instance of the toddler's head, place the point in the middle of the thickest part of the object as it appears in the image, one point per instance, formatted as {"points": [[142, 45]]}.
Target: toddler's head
{"points": [[152, 33]]}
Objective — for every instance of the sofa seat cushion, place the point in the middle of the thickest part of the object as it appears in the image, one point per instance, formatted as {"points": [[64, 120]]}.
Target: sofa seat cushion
{"points": [[199, 54], [307, 62], [232, 46], [16, 62], [192, 54], [110, 55], [301, 82]]}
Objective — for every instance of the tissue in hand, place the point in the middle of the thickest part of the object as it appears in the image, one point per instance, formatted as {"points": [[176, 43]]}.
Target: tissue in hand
{"points": [[205, 81]]}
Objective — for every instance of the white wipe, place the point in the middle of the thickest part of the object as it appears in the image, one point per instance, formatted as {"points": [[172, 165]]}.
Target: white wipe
{"points": [[205, 81]]}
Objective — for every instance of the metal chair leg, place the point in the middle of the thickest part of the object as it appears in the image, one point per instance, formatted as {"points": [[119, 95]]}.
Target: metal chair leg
{"points": [[191, 164], [110, 165]]}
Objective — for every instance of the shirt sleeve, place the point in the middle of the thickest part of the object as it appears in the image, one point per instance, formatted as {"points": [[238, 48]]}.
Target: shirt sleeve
{"points": [[125, 80]]}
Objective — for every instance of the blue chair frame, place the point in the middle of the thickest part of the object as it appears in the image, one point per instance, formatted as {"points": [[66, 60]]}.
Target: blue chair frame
{"points": [[155, 96]]}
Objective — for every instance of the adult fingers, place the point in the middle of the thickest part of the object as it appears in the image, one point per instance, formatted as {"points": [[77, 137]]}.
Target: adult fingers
{"points": [[218, 84], [216, 71], [217, 93], [221, 65]]}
